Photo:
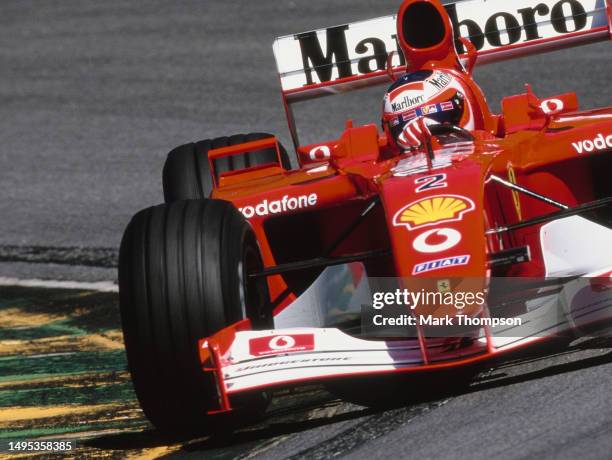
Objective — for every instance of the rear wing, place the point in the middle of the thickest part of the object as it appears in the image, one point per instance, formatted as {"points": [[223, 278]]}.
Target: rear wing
{"points": [[353, 56]]}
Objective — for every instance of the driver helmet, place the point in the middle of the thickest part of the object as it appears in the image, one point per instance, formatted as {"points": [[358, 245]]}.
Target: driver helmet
{"points": [[433, 94]]}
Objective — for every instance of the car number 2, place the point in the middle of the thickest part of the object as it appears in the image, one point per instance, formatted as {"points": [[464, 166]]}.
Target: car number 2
{"points": [[430, 182]]}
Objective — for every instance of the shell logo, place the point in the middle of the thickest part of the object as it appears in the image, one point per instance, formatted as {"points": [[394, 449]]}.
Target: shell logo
{"points": [[433, 210]]}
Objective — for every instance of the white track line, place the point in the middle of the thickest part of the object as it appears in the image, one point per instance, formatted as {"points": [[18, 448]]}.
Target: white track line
{"points": [[101, 286]]}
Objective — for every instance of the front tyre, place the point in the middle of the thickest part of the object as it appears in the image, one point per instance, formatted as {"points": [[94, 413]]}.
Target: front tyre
{"points": [[183, 276]]}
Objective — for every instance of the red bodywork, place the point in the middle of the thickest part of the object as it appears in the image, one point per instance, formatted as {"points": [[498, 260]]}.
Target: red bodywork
{"points": [[297, 214]]}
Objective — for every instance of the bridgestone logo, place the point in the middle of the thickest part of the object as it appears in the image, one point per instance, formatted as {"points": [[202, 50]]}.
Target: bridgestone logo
{"points": [[286, 203], [293, 361]]}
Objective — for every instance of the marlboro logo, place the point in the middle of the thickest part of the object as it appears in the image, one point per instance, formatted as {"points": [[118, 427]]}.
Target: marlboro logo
{"points": [[362, 48]]}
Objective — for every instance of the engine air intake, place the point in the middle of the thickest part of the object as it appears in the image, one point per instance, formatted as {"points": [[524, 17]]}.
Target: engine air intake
{"points": [[422, 26]]}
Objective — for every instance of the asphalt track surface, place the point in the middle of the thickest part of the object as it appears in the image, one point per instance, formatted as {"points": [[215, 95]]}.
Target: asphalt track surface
{"points": [[92, 97]]}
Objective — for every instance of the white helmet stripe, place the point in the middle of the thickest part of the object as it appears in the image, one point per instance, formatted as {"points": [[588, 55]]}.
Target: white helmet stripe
{"points": [[410, 134]]}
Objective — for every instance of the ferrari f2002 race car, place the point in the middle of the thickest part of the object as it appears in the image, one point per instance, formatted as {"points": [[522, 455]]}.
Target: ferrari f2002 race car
{"points": [[254, 275]]}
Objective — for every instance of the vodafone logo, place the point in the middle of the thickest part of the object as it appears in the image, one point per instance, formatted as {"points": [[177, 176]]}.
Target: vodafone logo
{"points": [[436, 240], [599, 143], [281, 342], [293, 343], [286, 203], [321, 152], [552, 106]]}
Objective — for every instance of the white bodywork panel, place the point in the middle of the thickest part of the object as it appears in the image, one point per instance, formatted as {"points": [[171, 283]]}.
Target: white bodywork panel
{"points": [[567, 246]]}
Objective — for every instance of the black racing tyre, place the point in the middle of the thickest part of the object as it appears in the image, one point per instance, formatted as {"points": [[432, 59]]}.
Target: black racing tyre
{"points": [[182, 277], [187, 174]]}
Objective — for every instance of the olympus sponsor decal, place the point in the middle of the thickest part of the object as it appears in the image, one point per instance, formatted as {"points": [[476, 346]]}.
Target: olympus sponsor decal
{"points": [[286, 203], [362, 48], [599, 143], [436, 240], [440, 264], [433, 210]]}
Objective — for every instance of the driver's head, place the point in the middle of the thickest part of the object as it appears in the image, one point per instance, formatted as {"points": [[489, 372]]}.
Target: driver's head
{"points": [[433, 94]]}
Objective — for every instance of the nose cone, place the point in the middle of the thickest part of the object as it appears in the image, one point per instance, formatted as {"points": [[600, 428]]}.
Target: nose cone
{"points": [[425, 34]]}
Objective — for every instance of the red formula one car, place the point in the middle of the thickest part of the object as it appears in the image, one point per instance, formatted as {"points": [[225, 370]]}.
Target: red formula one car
{"points": [[255, 276]]}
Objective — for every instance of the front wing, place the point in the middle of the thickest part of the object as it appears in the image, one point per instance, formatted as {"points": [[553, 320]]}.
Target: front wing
{"points": [[246, 360]]}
